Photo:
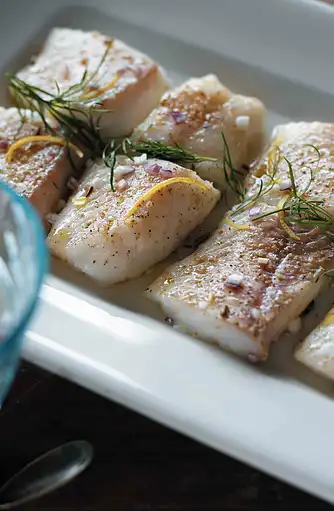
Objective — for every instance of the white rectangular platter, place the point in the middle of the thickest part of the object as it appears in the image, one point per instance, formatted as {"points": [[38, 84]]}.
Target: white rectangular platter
{"points": [[278, 417]]}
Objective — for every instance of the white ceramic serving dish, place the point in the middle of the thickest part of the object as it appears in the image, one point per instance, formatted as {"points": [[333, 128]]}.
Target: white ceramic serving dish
{"points": [[278, 417]]}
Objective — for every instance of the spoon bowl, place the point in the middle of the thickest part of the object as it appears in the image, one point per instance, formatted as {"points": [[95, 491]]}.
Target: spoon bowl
{"points": [[46, 473]]}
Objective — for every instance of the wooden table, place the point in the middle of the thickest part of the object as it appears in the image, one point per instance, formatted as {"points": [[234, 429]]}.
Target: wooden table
{"points": [[138, 465]]}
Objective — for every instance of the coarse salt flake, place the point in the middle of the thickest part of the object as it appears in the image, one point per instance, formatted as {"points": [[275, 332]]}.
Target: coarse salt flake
{"points": [[263, 261], [295, 325], [255, 313], [234, 280], [122, 185], [140, 159], [242, 121], [122, 170], [202, 305]]}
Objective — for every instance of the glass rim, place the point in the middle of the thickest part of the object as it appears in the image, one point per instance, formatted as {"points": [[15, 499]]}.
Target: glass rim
{"points": [[41, 261]]}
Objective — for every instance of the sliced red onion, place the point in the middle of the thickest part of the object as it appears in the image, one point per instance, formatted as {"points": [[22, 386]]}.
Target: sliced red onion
{"points": [[153, 170], [254, 211], [157, 170], [166, 173], [179, 117], [4, 145]]}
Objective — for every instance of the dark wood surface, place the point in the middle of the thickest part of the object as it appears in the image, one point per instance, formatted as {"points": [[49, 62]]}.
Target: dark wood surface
{"points": [[138, 464]]}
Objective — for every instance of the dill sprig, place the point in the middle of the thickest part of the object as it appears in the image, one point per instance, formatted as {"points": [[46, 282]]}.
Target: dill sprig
{"points": [[174, 153], [161, 150], [233, 177], [72, 111], [265, 185], [153, 149], [296, 209]]}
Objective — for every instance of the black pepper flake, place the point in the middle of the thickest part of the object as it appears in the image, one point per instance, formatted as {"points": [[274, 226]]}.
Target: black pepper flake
{"points": [[89, 191], [225, 312], [200, 240], [308, 309]]}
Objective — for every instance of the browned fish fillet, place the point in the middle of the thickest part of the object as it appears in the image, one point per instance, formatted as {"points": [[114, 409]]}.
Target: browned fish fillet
{"points": [[128, 83], [37, 170], [317, 350], [243, 286], [194, 116], [116, 236]]}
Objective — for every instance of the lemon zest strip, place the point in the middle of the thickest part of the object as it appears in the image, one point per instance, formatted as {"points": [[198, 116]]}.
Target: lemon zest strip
{"points": [[80, 201], [98, 92], [156, 188], [40, 138], [283, 223], [329, 319], [240, 227]]}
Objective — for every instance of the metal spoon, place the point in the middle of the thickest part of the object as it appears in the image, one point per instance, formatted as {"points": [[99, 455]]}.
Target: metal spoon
{"points": [[46, 473]]}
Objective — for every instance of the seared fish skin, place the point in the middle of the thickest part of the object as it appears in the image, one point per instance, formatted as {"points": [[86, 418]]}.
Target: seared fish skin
{"points": [[317, 350], [116, 236], [39, 171], [194, 115], [243, 286], [133, 83]]}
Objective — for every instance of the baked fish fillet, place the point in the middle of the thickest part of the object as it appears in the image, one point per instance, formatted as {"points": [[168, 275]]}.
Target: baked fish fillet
{"points": [[194, 115], [243, 286], [317, 350], [115, 236], [38, 170], [128, 82]]}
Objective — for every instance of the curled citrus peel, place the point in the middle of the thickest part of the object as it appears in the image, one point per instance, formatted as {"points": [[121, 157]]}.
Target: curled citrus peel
{"points": [[48, 139], [98, 92], [240, 227], [160, 186], [283, 223], [329, 319]]}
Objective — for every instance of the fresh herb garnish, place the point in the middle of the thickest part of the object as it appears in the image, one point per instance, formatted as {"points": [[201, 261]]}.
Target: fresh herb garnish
{"points": [[153, 149], [233, 177], [266, 182], [174, 153], [158, 149], [72, 108], [293, 208]]}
